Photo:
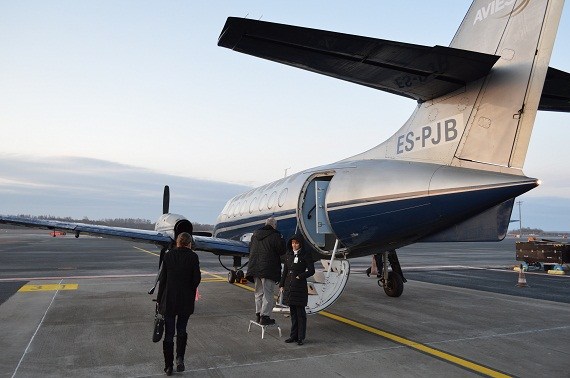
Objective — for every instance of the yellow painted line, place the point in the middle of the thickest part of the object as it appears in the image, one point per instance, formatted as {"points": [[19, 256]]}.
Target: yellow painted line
{"points": [[420, 347], [144, 250], [409, 343], [52, 287], [213, 280], [244, 286], [387, 335]]}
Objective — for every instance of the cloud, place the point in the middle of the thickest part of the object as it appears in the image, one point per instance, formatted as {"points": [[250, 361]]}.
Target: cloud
{"points": [[98, 189]]}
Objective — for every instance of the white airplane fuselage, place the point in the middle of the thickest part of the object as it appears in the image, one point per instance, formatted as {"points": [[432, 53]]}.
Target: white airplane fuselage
{"points": [[371, 206]]}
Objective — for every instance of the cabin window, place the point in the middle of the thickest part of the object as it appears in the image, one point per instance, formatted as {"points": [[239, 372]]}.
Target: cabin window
{"points": [[282, 197], [253, 205], [263, 202], [272, 199], [242, 208]]}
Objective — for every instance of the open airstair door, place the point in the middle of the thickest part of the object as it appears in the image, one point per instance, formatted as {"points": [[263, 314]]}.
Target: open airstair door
{"points": [[331, 273], [312, 212], [328, 284]]}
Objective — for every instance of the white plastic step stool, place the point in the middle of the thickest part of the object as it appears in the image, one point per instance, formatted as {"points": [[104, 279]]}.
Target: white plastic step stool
{"points": [[263, 327]]}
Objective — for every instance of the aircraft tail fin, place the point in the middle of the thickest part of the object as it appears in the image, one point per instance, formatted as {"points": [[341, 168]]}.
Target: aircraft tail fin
{"points": [[487, 123]]}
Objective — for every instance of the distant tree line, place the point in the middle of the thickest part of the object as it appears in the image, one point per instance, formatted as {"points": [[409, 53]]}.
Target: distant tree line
{"points": [[535, 231], [143, 224], [527, 231]]}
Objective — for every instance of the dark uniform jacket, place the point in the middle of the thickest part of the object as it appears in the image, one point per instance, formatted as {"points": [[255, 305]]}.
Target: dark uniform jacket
{"points": [[179, 279], [265, 251], [295, 292]]}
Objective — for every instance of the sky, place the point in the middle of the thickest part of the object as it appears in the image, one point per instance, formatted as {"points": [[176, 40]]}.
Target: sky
{"points": [[141, 86]]}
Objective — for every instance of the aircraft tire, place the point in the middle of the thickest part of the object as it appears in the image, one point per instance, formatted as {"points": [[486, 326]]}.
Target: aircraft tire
{"points": [[232, 276], [239, 275], [395, 285]]}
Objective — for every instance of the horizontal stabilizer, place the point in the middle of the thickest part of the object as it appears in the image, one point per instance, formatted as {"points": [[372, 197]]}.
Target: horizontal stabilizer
{"points": [[556, 91], [414, 71]]}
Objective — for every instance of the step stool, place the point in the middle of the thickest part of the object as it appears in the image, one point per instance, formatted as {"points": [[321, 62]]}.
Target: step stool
{"points": [[263, 327]]}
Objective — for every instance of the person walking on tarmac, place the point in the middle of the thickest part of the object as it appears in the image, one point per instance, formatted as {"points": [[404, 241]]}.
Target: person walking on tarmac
{"points": [[299, 265], [179, 279], [264, 268]]}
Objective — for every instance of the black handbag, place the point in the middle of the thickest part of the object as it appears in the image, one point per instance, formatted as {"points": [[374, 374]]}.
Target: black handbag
{"points": [[158, 326]]}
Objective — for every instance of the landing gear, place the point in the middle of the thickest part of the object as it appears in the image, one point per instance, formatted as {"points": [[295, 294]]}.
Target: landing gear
{"points": [[394, 286], [231, 276], [392, 282], [235, 274], [240, 275]]}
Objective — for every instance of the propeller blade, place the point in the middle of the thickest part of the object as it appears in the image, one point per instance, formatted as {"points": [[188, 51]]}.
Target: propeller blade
{"points": [[166, 199]]}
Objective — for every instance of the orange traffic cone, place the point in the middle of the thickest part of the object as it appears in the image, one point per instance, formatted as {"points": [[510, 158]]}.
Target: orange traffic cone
{"points": [[522, 278]]}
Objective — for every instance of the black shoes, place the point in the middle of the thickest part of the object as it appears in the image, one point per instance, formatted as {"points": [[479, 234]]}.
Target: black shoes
{"points": [[180, 364], [168, 350], [294, 340], [368, 270], [266, 320]]}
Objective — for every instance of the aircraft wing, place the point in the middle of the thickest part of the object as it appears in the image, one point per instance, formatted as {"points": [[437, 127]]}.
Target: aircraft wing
{"points": [[556, 92], [224, 247], [414, 71]]}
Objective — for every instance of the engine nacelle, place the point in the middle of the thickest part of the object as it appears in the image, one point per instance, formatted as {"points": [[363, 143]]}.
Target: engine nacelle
{"points": [[172, 225]]}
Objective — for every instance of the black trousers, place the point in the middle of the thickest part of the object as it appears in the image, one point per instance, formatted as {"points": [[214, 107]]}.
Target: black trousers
{"points": [[298, 322], [173, 323]]}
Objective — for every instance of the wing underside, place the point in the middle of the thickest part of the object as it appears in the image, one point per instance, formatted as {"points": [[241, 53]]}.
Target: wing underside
{"points": [[418, 72], [556, 91], [414, 71], [223, 247]]}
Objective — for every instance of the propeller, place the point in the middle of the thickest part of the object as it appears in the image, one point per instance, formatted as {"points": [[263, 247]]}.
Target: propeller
{"points": [[165, 199]]}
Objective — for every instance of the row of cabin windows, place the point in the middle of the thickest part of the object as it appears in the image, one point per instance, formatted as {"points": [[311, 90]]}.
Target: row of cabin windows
{"points": [[266, 202]]}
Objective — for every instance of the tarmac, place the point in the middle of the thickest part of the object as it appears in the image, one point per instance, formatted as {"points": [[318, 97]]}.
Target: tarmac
{"points": [[79, 307]]}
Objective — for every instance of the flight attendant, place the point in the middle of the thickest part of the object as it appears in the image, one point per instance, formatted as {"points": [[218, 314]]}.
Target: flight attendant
{"points": [[298, 267]]}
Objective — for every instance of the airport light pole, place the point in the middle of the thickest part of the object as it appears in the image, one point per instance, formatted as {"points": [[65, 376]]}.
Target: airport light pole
{"points": [[520, 219]]}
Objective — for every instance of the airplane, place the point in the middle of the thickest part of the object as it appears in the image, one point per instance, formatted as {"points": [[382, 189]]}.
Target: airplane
{"points": [[451, 173]]}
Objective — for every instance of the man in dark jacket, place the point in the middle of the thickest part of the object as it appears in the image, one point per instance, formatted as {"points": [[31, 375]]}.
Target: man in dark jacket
{"points": [[179, 280], [264, 266]]}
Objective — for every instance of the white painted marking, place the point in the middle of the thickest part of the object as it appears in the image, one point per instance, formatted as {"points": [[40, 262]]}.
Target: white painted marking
{"points": [[34, 335]]}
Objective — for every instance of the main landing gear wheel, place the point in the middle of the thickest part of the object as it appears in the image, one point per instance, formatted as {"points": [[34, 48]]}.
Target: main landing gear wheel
{"points": [[231, 276], [395, 285], [239, 275], [235, 276]]}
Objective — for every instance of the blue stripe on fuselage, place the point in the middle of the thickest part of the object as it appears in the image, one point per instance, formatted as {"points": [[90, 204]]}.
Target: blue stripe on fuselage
{"points": [[234, 231], [375, 227], [388, 225]]}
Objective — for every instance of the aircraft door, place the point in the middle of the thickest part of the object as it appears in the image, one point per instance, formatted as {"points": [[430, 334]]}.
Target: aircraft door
{"points": [[327, 284], [329, 280], [314, 220]]}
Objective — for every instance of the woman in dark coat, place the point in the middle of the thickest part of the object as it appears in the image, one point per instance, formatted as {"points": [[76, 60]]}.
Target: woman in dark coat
{"points": [[293, 286], [179, 279]]}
